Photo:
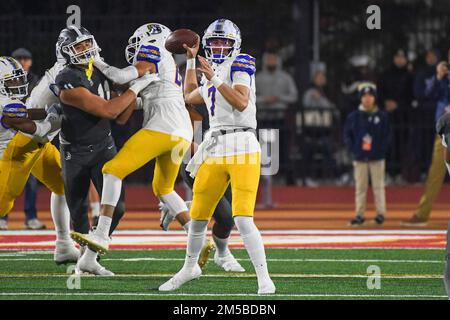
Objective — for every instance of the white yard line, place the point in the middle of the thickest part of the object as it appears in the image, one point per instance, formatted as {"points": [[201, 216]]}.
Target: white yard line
{"points": [[139, 294]]}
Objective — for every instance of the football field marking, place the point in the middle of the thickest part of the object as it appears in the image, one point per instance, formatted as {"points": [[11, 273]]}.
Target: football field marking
{"points": [[139, 294], [226, 275]]}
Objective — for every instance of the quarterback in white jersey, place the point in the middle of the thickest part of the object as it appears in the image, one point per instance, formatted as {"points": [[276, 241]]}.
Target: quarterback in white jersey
{"points": [[24, 154], [165, 136], [230, 152]]}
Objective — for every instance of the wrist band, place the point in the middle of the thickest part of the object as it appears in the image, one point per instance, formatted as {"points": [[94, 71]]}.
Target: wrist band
{"points": [[190, 64], [215, 80]]}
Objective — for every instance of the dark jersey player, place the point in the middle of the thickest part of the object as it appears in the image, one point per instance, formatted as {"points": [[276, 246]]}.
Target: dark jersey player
{"points": [[86, 142]]}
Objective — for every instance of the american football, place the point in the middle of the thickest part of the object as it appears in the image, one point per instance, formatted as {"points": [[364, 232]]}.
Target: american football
{"points": [[175, 41], [292, 150]]}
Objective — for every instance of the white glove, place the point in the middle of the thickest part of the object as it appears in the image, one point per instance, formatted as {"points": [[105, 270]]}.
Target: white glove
{"points": [[141, 83], [100, 64], [54, 116]]}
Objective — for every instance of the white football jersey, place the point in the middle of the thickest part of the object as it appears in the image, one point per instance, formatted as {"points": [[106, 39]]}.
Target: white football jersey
{"points": [[163, 101], [6, 134], [42, 96], [221, 113], [222, 116]]}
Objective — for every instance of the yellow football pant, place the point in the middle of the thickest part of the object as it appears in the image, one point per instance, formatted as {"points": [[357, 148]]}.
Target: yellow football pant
{"points": [[144, 146], [213, 178], [22, 157]]}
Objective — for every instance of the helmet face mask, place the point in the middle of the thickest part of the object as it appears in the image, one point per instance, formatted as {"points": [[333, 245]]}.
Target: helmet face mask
{"points": [[76, 46], [78, 56], [221, 41], [150, 32], [13, 79]]}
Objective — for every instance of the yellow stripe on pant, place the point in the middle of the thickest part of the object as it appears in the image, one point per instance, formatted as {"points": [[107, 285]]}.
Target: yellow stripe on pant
{"points": [[22, 157], [214, 176], [144, 146]]}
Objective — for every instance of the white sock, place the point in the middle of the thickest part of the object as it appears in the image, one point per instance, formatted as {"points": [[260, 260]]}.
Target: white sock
{"points": [[112, 187], [61, 216], [95, 209], [104, 224], [187, 226], [221, 246], [196, 239], [90, 255], [254, 244]]}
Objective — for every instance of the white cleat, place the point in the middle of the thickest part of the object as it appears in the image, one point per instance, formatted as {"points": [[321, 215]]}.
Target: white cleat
{"points": [[65, 252], [228, 263], [92, 240], [84, 265], [181, 278], [267, 287], [166, 219]]}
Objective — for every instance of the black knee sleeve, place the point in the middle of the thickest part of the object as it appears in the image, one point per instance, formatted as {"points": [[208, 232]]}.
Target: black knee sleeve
{"points": [[223, 218], [118, 214]]}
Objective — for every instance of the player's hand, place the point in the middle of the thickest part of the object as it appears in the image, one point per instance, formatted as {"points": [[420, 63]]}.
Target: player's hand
{"points": [[54, 113], [441, 70], [205, 68], [141, 83], [191, 52], [15, 110]]}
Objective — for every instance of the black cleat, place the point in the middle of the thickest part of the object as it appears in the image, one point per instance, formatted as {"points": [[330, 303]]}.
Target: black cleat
{"points": [[358, 221], [379, 219]]}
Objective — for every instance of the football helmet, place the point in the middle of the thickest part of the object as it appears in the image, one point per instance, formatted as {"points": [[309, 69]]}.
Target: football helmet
{"points": [[155, 33], [69, 38], [221, 29], [13, 79]]}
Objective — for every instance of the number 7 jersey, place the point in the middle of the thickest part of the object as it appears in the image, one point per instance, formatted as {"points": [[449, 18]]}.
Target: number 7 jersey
{"points": [[240, 71]]}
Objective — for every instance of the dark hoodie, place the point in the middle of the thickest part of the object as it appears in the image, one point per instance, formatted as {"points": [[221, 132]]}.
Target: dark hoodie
{"points": [[366, 134]]}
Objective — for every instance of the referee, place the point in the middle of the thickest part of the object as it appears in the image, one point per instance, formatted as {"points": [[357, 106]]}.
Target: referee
{"points": [[86, 143]]}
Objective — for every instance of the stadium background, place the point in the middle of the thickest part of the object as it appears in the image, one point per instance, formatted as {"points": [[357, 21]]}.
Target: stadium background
{"points": [[311, 34]]}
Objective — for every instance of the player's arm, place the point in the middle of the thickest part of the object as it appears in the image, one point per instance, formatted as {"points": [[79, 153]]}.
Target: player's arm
{"points": [[191, 90], [83, 99], [125, 116], [127, 74], [237, 96]]}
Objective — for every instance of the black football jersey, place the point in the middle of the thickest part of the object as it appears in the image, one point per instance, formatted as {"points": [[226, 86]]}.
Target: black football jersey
{"points": [[79, 127]]}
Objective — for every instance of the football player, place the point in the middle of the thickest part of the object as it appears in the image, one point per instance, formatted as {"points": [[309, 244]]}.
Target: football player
{"points": [[29, 151], [166, 134], [230, 152], [86, 143], [443, 129]]}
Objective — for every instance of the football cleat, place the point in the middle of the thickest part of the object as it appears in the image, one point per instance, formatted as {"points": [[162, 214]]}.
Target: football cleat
{"points": [[34, 224], [85, 265], [181, 278], [205, 253], [228, 263], [93, 241], [65, 252], [3, 225], [267, 287], [166, 218]]}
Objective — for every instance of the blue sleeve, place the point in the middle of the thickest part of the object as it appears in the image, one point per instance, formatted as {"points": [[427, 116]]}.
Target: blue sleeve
{"points": [[245, 63], [149, 53]]}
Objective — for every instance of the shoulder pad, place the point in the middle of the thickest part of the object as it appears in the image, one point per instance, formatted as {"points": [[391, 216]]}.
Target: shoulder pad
{"points": [[244, 63], [69, 78], [150, 53]]}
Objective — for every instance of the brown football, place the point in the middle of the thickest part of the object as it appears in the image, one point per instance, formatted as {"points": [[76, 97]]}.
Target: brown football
{"points": [[174, 42]]}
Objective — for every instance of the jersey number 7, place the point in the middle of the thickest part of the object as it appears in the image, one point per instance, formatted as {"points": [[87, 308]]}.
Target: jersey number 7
{"points": [[212, 93]]}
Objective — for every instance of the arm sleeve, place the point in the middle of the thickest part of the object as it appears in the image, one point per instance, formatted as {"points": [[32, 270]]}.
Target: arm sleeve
{"points": [[42, 96], [242, 78]]}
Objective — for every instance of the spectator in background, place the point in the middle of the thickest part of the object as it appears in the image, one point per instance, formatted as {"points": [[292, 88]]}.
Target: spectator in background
{"points": [[25, 58], [395, 89], [437, 88], [366, 134], [319, 116], [276, 91], [422, 134]]}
